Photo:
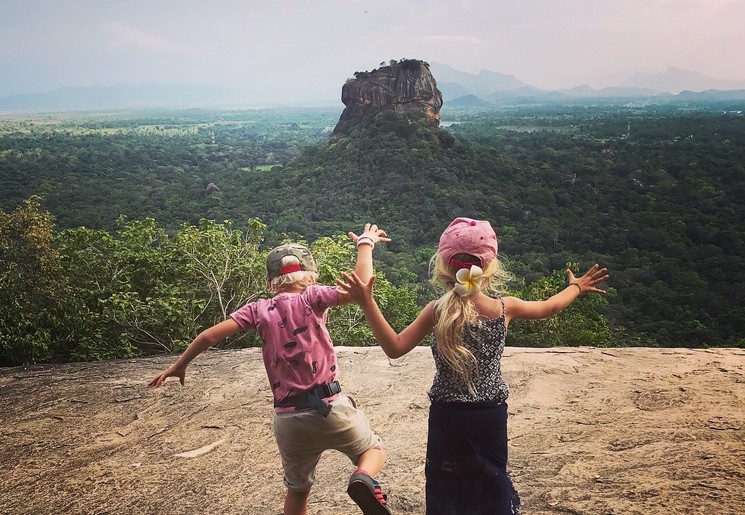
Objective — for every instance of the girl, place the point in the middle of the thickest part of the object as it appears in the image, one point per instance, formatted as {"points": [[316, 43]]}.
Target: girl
{"points": [[466, 468]]}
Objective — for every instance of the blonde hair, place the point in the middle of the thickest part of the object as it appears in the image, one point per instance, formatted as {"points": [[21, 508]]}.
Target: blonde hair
{"points": [[453, 313], [301, 279]]}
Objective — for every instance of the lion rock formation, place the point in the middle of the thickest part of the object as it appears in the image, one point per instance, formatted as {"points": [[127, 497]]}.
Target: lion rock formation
{"points": [[406, 87]]}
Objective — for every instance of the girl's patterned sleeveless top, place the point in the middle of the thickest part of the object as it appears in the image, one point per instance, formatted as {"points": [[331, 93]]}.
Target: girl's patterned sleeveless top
{"points": [[485, 339]]}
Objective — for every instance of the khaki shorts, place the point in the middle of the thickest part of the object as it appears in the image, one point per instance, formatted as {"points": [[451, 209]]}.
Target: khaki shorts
{"points": [[302, 436]]}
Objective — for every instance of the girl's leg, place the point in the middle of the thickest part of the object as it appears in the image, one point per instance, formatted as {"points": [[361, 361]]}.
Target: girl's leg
{"points": [[296, 503]]}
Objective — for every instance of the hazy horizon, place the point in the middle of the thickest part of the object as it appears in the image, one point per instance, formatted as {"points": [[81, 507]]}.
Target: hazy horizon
{"points": [[247, 45]]}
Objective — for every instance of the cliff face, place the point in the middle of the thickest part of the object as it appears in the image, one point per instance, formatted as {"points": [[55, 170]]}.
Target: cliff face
{"points": [[406, 87]]}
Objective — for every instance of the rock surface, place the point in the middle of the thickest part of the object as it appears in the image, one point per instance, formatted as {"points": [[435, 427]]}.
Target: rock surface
{"points": [[405, 87], [592, 431]]}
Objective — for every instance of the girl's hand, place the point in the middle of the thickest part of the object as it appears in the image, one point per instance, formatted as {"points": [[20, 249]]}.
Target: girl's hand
{"points": [[357, 290], [371, 233], [172, 371], [588, 282]]}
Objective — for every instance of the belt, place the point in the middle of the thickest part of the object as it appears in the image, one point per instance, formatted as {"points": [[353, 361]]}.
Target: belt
{"points": [[312, 398]]}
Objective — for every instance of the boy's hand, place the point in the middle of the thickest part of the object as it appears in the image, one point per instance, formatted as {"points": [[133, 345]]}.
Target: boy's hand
{"points": [[357, 290], [173, 371], [371, 232], [588, 282]]}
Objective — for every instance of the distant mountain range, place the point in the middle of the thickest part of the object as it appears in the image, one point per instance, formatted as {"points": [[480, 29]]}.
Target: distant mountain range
{"points": [[459, 89], [147, 96]]}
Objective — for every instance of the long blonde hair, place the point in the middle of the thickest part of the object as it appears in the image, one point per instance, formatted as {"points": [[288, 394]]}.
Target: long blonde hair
{"points": [[453, 313]]}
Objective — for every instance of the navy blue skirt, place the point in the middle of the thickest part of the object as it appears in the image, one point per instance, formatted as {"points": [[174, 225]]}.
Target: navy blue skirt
{"points": [[466, 468]]}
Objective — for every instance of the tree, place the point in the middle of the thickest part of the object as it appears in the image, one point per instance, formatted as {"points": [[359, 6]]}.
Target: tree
{"points": [[30, 285]]}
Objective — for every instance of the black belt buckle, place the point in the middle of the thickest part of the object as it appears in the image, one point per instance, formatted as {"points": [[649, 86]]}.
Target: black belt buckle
{"points": [[312, 399], [327, 390]]}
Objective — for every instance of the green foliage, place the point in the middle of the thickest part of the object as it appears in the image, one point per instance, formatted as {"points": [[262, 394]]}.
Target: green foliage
{"points": [[86, 294], [654, 193], [29, 284]]}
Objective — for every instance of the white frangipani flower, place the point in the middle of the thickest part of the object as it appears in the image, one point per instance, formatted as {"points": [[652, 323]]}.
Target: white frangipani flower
{"points": [[467, 280]]}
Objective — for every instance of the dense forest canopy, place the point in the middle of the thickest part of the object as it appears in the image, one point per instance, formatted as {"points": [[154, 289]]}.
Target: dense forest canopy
{"points": [[655, 194]]}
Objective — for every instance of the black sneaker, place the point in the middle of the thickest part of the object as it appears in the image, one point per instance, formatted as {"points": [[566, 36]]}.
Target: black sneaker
{"points": [[366, 492]]}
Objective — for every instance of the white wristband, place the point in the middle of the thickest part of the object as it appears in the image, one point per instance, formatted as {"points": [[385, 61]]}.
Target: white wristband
{"points": [[365, 239]]}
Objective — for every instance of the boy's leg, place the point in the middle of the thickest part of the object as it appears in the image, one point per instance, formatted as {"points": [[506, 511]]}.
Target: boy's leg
{"points": [[371, 461], [366, 492], [356, 440], [296, 503]]}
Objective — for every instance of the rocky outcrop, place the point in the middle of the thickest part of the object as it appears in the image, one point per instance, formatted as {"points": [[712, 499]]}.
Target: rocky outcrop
{"points": [[405, 87], [211, 188]]}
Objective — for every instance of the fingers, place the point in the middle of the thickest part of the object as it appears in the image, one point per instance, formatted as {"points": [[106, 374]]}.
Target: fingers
{"points": [[598, 275], [601, 279], [595, 272], [374, 232], [352, 236], [157, 381], [594, 276], [351, 279], [160, 379], [347, 282]]}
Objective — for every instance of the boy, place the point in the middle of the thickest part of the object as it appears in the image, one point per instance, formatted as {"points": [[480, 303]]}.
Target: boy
{"points": [[311, 413]]}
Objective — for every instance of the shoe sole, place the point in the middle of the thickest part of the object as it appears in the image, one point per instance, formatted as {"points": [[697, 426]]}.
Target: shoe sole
{"points": [[365, 499]]}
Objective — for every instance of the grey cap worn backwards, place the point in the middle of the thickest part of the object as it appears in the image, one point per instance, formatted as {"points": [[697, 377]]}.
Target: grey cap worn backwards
{"points": [[274, 266]]}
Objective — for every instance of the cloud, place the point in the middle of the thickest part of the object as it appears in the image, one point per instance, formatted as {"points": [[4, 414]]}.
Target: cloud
{"points": [[125, 36], [452, 38]]}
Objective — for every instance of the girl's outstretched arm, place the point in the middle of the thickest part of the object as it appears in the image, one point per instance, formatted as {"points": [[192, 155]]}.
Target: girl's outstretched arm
{"points": [[393, 344], [578, 286]]}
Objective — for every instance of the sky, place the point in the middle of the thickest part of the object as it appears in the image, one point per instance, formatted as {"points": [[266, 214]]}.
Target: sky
{"points": [[315, 45]]}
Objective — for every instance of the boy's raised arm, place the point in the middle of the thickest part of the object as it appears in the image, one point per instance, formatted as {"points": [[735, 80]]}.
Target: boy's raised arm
{"points": [[365, 242]]}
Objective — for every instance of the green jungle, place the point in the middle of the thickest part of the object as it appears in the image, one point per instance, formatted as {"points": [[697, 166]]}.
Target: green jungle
{"points": [[125, 234]]}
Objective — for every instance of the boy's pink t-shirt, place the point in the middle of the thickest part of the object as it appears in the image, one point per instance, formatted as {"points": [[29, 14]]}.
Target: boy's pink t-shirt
{"points": [[298, 352]]}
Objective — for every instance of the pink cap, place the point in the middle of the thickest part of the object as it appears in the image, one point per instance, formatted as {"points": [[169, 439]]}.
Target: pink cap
{"points": [[468, 236]]}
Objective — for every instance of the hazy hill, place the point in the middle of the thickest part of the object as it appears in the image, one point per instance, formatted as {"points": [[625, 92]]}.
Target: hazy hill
{"points": [[451, 81], [487, 85], [496, 87], [173, 95], [675, 80], [121, 96]]}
